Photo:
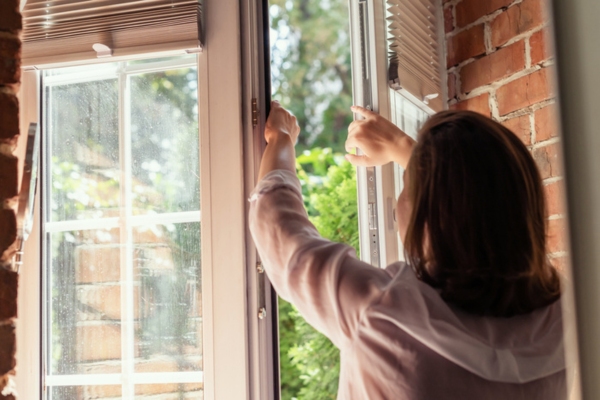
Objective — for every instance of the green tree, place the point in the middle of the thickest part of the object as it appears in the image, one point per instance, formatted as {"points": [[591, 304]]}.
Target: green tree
{"points": [[311, 68], [309, 361]]}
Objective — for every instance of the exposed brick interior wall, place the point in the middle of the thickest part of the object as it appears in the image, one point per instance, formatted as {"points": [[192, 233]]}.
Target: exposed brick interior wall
{"points": [[499, 65], [10, 53]]}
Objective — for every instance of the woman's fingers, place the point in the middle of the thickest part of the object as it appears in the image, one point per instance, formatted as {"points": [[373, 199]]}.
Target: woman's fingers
{"points": [[359, 161], [363, 111], [352, 142]]}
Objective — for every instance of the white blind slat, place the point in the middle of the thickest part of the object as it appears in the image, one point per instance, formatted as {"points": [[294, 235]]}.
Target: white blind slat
{"points": [[97, 7], [65, 30], [414, 50]]}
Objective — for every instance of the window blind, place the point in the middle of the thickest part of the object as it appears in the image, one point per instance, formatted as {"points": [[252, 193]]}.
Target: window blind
{"points": [[58, 31], [414, 50]]}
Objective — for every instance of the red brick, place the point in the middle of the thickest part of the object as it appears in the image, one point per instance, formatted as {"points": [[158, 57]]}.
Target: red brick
{"points": [[98, 342], [464, 45], [517, 19], [10, 59], [493, 67], [96, 263], [478, 104], [10, 19], [554, 198], [547, 161], [8, 294], [448, 19], [8, 230], [7, 348], [8, 176], [451, 85], [9, 116], [525, 91], [521, 127], [468, 11], [540, 46], [557, 235], [546, 123]]}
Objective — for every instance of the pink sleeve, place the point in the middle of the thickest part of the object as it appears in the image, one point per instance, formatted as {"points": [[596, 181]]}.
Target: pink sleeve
{"points": [[323, 279]]}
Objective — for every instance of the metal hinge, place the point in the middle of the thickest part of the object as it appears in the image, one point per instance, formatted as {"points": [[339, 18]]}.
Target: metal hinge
{"points": [[262, 306], [254, 113]]}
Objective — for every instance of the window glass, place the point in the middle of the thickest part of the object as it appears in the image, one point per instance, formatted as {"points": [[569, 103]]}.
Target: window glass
{"points": [[164, 144], [122, 265], [86, 392], [410, 118], [84, 166]]}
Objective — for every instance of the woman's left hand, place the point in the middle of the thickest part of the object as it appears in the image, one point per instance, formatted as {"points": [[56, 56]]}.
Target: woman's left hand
{"points": [[379, 139]]}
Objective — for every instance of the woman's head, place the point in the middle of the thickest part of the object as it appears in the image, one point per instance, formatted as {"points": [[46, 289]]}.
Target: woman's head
{"points": [[477, 230]]}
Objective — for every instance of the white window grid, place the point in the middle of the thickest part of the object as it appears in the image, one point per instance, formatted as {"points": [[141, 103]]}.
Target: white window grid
{"points": [[128, 378]]}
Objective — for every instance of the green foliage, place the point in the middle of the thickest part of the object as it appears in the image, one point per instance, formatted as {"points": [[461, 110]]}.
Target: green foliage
{"points": [[309, 361], [311, 77], [311, 68]]}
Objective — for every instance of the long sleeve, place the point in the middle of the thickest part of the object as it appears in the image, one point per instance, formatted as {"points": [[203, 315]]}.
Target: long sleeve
{"points": [[323, 279]]}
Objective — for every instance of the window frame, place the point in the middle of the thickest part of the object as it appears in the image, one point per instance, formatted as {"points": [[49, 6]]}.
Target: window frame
{"points": [[376, 186], [237, 346]]}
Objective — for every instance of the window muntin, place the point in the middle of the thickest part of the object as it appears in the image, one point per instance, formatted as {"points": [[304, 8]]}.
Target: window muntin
{"points": [[122, 231]]}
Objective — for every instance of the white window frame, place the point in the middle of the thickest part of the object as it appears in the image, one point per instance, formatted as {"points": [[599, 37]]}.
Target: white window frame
{"points": [[239, 361]]}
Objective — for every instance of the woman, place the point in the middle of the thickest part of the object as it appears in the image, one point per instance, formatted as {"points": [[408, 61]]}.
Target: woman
{"points": [[473, 313]]}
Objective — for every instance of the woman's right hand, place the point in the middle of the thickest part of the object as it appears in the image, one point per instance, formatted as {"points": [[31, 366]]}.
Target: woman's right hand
{"points": [[281, 122], [379, 140]]}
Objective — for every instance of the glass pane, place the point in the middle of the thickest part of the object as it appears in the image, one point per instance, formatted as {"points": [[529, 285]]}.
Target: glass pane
{"points": [[84, 328], [410, 118], [85, 392], [82, 123], [168, 297], [170, 391], [406, 115], [164, 133]]}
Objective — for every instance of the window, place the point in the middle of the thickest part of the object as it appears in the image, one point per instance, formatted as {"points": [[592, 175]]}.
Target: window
{"points": [[216, 318], [121, 230]]}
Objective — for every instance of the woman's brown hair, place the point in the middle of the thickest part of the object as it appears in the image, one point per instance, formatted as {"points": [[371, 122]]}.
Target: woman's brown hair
{"points": [[478, 227]]}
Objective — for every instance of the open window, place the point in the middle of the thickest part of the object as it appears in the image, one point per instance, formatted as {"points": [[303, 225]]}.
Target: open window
{"points": [[139, 279]]}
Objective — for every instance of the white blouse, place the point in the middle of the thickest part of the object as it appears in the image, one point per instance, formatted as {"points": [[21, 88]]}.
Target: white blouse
{"points": [[397, 338]]}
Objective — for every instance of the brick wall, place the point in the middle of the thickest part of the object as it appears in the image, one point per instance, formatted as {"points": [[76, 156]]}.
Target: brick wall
{"points": [[10, 49], [499, 65]]}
